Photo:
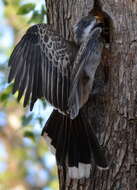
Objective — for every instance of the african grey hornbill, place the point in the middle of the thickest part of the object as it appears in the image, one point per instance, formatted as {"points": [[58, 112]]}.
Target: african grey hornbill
{"points": [[43, 64]]}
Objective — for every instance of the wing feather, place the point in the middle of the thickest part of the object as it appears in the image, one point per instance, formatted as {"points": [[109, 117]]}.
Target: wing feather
{"points": [[38, 65], [16, 51], [44, 74], [23, 78], [55, 87], [48, 81], [21, 68], [15, 65], [61, 92], [52, 84], [31, 72], [58, 88], [85, 65], [37, 92], [35, 87]]}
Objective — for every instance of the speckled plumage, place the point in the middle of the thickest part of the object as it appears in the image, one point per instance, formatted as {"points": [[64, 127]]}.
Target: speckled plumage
{"points": [[43, 64]]}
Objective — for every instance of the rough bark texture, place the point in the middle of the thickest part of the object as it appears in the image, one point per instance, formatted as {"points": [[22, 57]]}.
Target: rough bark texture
{"points": [[113, 110]]}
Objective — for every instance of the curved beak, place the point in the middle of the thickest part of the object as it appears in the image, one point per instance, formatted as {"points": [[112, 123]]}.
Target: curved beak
{"points": [[99, 21]]}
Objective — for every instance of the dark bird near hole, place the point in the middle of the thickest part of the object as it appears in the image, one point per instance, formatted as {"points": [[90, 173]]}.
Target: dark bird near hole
{"points": [[43, 64]]}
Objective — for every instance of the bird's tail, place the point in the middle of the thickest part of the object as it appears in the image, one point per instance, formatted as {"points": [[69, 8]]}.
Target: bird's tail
{"points": [[75, 143]]}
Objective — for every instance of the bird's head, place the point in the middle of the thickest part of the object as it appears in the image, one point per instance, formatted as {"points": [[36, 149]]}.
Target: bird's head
{"points": [[83, 28]]}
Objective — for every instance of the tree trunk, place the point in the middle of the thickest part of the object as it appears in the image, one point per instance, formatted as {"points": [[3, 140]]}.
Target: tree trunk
{"points": [[112, 111]]}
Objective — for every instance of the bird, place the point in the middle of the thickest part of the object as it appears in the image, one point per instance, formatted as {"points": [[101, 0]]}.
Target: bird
{"points": [[45, 65]]}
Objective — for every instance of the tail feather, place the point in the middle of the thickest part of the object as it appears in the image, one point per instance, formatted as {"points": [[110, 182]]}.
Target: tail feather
{"points": [[97, 150], [55, 130], [78, 146], [75, 143], [63, 139]]}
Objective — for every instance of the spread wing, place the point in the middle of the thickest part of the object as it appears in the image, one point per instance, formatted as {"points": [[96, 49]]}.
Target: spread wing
{"points": [[40, 66], [84, 69]]}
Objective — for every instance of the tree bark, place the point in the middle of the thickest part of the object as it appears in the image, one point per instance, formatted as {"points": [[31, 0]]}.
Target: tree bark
{"points": [[112, 111]]}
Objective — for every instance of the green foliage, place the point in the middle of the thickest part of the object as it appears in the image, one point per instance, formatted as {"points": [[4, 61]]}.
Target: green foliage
{"points": [[25, 9], [30, 135], [38, 16], [40, 119], [26, 119], [4, 96]]}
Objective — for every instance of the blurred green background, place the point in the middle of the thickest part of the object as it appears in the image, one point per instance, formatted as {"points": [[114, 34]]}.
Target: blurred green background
{"points": [[25, 162]]}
